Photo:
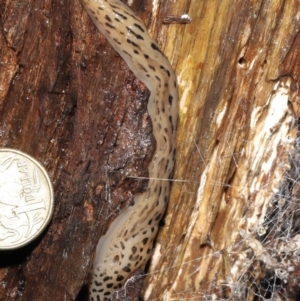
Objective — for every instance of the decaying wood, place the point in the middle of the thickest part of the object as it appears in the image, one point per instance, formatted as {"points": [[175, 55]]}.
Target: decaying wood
{"points": [[239, 79], [68, 100]]}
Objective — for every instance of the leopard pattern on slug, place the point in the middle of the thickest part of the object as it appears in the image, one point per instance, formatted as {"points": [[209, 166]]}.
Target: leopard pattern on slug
{"points": [[127, 245]]}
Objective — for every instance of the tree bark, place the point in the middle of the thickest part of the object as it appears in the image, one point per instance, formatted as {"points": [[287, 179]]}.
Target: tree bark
{"points": [[68, 100], [231, 217]]}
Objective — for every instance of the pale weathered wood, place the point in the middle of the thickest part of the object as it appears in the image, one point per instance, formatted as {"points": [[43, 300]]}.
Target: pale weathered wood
{"points": [[238, 71], [67, 99]]}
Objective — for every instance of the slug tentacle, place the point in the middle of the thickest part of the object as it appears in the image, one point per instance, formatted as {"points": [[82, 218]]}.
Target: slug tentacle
{"points": [[128, 242]]}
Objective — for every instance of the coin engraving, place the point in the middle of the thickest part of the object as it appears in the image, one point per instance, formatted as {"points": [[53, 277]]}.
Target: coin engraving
{"points": [[26, 199]]}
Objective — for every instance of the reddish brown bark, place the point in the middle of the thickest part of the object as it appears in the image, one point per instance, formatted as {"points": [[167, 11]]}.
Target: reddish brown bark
{"points": [[70, 101], [67, 99]]}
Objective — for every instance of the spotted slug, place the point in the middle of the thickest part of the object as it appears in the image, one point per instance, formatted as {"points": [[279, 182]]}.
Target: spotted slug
{"points": [[127, 245]]}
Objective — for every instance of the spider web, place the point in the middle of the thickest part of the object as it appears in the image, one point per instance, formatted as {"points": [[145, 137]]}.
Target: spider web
{"points": [[264, 260]]}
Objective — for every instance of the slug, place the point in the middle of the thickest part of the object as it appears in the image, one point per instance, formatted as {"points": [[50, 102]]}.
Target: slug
{"points": [[127, 245]]}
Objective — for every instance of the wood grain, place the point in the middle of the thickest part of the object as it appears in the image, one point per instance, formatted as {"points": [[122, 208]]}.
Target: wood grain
{"points": [[237, 65], [68, 100]]}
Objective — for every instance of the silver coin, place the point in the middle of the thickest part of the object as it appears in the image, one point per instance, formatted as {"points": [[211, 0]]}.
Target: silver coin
{"points": [[26, 199]]}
